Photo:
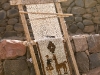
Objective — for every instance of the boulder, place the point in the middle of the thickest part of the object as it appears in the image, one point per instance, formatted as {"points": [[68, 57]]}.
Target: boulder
{"points": [[16, 67], [6, 6], [90, 3], [82, 62], [89, 29], [2, 14], [96, 20], [73, 28], [87, 22], [78, 10], [10, 49], [12, 13], [79, 3], [12, 21], [18, 27], [94, 60]]}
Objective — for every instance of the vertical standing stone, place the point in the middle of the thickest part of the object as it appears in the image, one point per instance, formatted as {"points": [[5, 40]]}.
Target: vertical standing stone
{"points": [[80, 43]]}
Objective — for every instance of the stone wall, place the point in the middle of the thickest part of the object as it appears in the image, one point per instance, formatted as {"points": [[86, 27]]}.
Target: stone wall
{"points": [[85, 19], [86, 16]]}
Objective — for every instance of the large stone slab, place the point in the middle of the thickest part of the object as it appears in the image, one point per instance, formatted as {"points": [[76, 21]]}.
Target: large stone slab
{"points": [[82, 61], [95, 71], [94, 60], [94, 43], [80, 43], [10, 49], [15, 67]]}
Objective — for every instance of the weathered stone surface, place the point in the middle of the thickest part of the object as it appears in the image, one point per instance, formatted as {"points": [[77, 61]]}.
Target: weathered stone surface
{"points": [[3, 1], [95, 71], [80, 43], [98, 8], [94, 60], [73, 28], [2, 15], [10, 34], [80, 25], [87, 16], [67, 3], [94, 43], [98, 1], [12, 21], [78, 19], [12, 13], [91, 10], [89, 29], [9, 28], [96, 20], [10, 49], [87, 22], [79, 3], [16, 67], [78, 10], [2, 29], [6, 6], [82, 61], [69, 10], [1, 68], [3, 23], [79, 31], [18, 27], [90, 3], [96, 14]]}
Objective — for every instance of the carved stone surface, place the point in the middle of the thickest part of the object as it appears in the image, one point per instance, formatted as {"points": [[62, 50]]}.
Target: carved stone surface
{"points": [[82, 61], [94, 43], [80, 43], [94, 60]]}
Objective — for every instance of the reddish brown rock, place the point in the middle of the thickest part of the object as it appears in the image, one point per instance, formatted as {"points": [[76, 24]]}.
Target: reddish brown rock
{"points": [[80, 43], [95, 71], [94, 43], [10, 49]]}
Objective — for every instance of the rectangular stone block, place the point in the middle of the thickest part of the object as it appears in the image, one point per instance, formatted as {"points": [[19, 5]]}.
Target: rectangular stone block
{"points": [[80, 43], [94, 43]]}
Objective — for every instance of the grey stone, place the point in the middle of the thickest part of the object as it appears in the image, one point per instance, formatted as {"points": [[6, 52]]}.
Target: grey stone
{"points": [[72, 4], [94, 43], [3, 1], [95, 71], [91, 10], [79, 31], [67, 3], [82, 61], [98, 1], [12, 13], [73, 28], [89, 29], [78, 10], [87, 16], [78, 19], [18, 27], [15, 67], [96, 20], [9, 28], [6, 6], [3, 23], [90, 3], [80, 25], [87, 22], [98, 8], [1, 68], [69, 10], [2, 29], [80, 43], [79, 3], [94, 60], [12, 21], [2, 15], [9, 34], [96, 14]]}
